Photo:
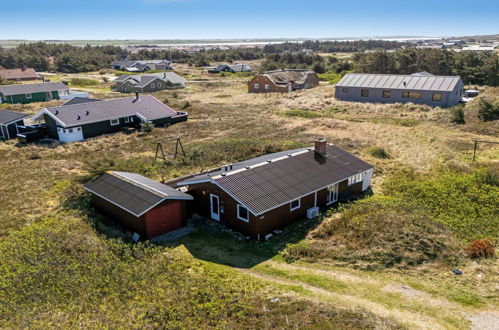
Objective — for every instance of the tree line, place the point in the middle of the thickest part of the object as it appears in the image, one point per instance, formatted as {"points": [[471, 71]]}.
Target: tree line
{"points": [[474, 67], [481, 68]]}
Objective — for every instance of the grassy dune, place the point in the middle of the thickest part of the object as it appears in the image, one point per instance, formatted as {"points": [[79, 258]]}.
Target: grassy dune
{"points": [[63, 265]]}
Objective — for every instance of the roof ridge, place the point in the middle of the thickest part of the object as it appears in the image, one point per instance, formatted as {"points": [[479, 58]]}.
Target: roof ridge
{"points": [[137, 184]]}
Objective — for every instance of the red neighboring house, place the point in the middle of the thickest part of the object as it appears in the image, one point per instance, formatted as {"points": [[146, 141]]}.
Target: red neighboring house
{"points": [[140, 204], [24, 74]]}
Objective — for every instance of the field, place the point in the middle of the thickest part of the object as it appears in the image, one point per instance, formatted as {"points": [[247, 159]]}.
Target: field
{"points": [[63, 265]]}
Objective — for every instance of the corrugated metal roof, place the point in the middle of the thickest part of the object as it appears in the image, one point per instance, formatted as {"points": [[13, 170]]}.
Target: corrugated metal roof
{"points": [[290, 176], [132, 192], [406, 82], [7, 116], [147, 107], [32, 88]]}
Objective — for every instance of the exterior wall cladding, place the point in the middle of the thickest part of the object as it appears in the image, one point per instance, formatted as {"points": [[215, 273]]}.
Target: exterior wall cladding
{"points": [[167, 216], [104, 127], [449, 99], [258, 226], [35, 97]]}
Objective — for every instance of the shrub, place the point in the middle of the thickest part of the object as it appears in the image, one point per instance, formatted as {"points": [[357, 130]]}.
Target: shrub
{"points": [[457, 115], [302, 113], [488, 109], [481, 248], [378, 152], [186, 105], [147, 127], [83, 82], [105, 79]]}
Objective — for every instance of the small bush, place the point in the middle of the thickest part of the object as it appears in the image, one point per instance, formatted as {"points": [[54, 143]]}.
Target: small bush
{"points": [[105, 79], [378, 152], [302, 114], [147, 127], [83, 82], [457, 115], [488, 109], [165, 101], [482, 248], [186, 105]]}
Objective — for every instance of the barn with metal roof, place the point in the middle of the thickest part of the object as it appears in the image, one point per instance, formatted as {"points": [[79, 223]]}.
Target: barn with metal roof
{"points": [[419, 88]]}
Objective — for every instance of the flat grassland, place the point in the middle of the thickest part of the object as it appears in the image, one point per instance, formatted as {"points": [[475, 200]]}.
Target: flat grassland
{"points": [[63, 265]]}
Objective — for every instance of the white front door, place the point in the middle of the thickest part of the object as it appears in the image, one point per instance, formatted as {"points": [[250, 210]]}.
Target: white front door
{"points": [[215, 207], [332, 194]]}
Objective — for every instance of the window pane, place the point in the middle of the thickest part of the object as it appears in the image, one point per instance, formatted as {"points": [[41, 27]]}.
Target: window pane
{"points": [[364, 92], [387, 94], [437, 97]]}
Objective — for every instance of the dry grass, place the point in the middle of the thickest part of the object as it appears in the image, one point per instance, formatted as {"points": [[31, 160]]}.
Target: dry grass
{"points": [[228, 124]]}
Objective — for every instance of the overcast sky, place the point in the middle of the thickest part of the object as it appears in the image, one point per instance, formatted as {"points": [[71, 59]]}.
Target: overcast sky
{"points": [[219, 19]]}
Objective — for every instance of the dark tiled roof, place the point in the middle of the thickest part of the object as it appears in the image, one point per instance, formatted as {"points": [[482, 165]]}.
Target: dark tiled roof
{"points": [[32, 88], [267, 185], [12, 74], [7, 116], [147, 107], [132, 192]]}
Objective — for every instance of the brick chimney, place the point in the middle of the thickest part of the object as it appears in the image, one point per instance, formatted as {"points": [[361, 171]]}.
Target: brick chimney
{"points": [[321, 147]]}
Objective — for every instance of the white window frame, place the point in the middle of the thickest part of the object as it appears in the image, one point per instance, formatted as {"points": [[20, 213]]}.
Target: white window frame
{"points": [[239, 214], [153, 85], [331, 191], [29, 96], [159, 85], [355, 179], [60, 130], [70, 130], [256, 86], [297, 207], [267, 86], [127, 120], [112, 120]]}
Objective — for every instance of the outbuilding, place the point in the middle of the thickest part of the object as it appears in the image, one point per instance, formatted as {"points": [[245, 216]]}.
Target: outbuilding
{"points": [[260, 195], [419, 88], [9, 121], [142, 205]]}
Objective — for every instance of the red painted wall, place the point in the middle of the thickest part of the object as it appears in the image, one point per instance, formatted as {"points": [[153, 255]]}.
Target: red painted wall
{"points": [[165, 218]]}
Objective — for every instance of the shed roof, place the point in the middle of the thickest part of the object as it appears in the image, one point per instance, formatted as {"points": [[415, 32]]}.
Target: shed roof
{"points": [[7, 116], [276, 179], [133, 192], [78, 100], [12, 74], [147, 107], [32, 88], [394, 81]]}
